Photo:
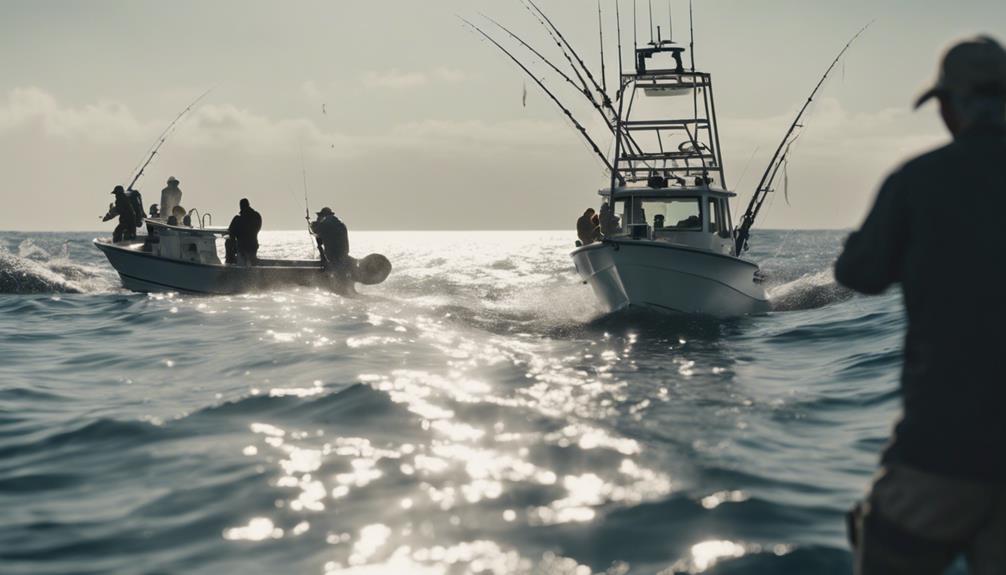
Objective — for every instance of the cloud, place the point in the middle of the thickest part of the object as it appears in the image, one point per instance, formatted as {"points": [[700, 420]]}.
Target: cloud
{"points": [[234, 129], [100, 122]]}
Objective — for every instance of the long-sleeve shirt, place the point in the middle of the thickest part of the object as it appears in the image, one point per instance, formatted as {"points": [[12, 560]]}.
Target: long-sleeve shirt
{"points": [[937, 230], [171, 196]]}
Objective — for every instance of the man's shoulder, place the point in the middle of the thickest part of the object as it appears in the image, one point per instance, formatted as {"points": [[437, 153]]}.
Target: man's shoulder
{"points": [[935, 160]]}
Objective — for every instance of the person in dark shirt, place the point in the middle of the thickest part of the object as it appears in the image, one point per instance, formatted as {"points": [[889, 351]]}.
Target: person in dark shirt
{"points": [[128, 218], [333, 239], [936, 230], [242, 244]]}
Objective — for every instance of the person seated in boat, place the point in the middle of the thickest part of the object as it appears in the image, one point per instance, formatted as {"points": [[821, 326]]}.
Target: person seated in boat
{"points": [[333, 241], [176, 216], [608, 223], [588, 228], [171, 196], [690, 223], [154, 212], [128, 218], [242, 241]]}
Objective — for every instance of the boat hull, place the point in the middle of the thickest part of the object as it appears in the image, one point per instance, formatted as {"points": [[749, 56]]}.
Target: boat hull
{"points": [[143, 272], [672, 278]]}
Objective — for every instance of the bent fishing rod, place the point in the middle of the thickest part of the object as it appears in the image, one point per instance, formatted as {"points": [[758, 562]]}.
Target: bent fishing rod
{"points": [[551, 95], [765, 185], [610, 121], [548, 24], [164, 137]]}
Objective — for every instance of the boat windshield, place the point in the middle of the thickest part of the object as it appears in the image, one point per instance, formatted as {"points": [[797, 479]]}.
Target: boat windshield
{"points": [[682, 214]]}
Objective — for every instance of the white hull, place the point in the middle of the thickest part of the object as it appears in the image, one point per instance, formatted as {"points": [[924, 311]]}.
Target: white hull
{"points": [[143, 272], [672, 278]]}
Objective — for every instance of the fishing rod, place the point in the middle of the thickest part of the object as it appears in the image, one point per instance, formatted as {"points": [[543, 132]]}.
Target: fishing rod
{"points": [[307, 207], [600, 32], [164, 137], [583, 88], [765, 185], [608, 120], [552, 96], [611, 118], [618, 30], [541, 57], [607, 99]]}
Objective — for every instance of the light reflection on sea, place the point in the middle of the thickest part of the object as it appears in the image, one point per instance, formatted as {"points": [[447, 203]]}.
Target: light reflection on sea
{"points": [[475, 414]]}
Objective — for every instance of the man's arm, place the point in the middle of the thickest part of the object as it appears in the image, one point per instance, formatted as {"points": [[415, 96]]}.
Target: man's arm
{"points": [[872, 258]]}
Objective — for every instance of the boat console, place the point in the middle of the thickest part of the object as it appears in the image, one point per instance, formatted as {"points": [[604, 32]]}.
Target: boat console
{"points": [[196, 245]]}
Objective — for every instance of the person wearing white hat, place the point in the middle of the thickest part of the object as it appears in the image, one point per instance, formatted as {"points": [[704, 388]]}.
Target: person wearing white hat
{"points": [[171, 196], [936, 230]]}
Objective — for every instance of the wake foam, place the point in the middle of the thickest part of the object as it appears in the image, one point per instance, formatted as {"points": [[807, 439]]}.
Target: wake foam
{"points": [[35, 271], [810, 291]]}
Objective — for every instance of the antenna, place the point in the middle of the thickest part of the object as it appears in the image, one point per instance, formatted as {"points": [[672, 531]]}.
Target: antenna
{"points": [[670, 22], [691, 35], [600, 33], [635, 25], [651, 21]]}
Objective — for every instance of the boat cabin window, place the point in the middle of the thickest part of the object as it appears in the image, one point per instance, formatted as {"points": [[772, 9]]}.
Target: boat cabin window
{"points": [[718, 218], [668, 214]]}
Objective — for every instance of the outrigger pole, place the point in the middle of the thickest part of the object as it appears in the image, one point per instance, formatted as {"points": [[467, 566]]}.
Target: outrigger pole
{"points": [[164, 137], [552, 96], [765, 185]]}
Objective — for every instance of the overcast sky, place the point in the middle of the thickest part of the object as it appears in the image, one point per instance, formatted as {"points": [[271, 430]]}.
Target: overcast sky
{"points": [[423, 126]]}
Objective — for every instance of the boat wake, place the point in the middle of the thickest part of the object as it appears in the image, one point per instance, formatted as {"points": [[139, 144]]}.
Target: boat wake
{"points": [[35, 271], [810, 291]]}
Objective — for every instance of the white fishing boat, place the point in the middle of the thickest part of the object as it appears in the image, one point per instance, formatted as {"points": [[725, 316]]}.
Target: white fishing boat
{"points": [[666, 239], [186, 259]]}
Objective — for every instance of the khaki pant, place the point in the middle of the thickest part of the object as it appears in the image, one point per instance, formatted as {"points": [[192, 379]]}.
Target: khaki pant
{"points": [[918, 523]]}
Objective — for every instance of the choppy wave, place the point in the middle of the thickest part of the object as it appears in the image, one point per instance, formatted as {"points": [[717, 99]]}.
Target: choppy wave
{"points": [[475, 413], [33, 270]]}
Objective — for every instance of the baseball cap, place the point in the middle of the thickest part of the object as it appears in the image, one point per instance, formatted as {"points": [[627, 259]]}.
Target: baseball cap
{"points": [[975, 66]]}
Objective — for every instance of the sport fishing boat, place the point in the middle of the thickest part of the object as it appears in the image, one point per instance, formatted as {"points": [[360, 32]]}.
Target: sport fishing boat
{"points": [[174, 258], [664, 238], [668, 238]]}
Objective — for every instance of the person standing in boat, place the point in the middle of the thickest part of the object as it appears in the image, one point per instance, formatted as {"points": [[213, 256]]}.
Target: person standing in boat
{"points": [[128, 218], [333, 241], [941, 489], [242, 242], [171, 196]]}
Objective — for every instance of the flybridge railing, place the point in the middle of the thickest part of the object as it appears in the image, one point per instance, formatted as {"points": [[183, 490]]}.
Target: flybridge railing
{"points": [[669, 148]]}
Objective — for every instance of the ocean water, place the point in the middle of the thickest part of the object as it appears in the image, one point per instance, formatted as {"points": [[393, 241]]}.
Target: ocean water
{"points": [[476, 413]]}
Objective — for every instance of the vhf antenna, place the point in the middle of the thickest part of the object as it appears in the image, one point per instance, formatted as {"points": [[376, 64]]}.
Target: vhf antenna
{"points": [[670, 23], [635, 26], [651, 21], [691, 35]]}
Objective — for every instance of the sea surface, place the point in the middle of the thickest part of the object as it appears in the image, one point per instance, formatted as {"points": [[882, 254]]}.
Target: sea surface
{"points": [[476, 413]]}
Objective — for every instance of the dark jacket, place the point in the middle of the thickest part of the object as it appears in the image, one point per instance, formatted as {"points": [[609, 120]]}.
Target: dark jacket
{"points": [[937, 230], [126, 211], [333, 236], [244, 229]]}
